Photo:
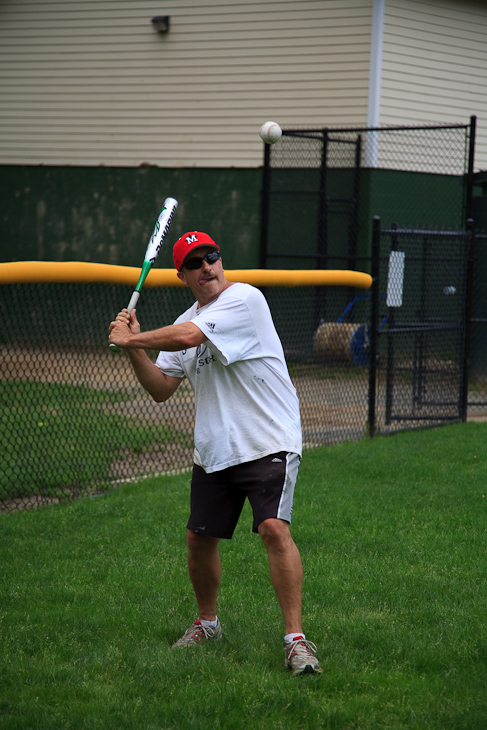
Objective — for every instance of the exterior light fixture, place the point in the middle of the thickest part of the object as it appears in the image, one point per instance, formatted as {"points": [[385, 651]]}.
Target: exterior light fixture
{"points": [[161, 23]]}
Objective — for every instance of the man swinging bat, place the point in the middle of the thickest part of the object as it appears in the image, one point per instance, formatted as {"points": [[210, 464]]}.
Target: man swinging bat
{"points": [[247, 431]]}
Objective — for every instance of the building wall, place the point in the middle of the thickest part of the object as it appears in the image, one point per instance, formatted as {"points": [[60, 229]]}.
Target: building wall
{"points": [[90, 82], [434, 65], [102, 118], [107, 214]]}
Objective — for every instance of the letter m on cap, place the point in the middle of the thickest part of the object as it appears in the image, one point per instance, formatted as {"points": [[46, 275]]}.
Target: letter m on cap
{"points": [[191, 239]]}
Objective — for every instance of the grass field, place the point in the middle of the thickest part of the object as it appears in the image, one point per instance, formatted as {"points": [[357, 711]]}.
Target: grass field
{"points": [[57, 436], [393, 538]]}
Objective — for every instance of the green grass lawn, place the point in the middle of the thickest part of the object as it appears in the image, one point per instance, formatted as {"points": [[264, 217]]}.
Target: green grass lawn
{"points": [[57, 437], [392, 532]]}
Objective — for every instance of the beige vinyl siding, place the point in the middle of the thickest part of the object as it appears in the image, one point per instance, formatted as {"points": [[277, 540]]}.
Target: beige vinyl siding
{"points": [[435, 65], [91, 82]]}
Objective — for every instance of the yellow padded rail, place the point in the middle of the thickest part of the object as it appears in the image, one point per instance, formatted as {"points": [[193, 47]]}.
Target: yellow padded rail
{"points": [[82, 272]]}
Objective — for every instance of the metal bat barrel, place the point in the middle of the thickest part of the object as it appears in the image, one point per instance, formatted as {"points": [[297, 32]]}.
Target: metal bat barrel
{"points": [[160, 229], [153, 247]]}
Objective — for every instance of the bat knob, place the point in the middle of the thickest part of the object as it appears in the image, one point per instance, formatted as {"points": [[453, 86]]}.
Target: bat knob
{"points": [[113, 347]]}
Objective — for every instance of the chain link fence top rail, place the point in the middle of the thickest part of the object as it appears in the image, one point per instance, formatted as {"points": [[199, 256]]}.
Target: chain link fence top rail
{"points": [[74, 419]]}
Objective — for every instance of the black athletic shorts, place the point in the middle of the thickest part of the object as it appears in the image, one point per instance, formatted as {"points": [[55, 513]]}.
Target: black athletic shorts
{"points": [[217, 499]]}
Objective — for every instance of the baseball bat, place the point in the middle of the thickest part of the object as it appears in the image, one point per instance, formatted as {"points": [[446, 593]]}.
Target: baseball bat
{"points": [[153, 247]]}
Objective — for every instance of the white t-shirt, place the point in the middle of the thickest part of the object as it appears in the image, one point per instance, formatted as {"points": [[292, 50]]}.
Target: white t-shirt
{"points": [[246, 404]]}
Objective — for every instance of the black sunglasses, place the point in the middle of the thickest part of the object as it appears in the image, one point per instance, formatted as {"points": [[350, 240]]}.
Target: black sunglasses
{"points": [[197, 263]]}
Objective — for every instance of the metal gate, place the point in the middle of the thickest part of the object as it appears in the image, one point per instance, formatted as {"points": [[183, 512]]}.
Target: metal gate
{"points": [[420, 327]]}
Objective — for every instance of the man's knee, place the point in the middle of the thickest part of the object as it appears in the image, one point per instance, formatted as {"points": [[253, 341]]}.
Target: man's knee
{"points": [[275, 532], [197, 541]]}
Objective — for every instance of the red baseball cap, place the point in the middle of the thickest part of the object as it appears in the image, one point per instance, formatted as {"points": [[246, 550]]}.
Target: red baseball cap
{"points": [[187, 243]]}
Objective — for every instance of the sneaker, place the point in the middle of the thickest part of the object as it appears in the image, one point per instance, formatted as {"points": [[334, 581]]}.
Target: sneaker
{"points": [[197, 634], [299, 657]]}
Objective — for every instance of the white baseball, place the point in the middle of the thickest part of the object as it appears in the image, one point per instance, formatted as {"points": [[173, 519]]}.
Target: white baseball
{"points": [[270, 132]]}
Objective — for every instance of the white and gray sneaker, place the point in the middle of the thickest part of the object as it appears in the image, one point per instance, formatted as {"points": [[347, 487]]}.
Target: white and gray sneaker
{"points": [[198, 634], [299, 657]]}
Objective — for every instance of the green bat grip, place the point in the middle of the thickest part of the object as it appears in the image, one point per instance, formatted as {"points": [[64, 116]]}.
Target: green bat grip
{"points": [[146, 267]]}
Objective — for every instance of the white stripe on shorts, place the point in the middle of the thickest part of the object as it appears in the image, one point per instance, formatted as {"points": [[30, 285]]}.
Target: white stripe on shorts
{"points": [[285, 509]]}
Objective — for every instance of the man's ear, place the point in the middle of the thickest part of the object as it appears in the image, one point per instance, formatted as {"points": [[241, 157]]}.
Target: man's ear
{"points": [[180, 275]]}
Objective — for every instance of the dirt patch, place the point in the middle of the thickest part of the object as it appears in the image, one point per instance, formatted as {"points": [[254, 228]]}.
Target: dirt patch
{"points": [[91, 367]]}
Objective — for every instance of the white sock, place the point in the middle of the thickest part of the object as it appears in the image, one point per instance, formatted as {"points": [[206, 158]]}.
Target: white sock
{"points": [[292, 637], [211, 624]]}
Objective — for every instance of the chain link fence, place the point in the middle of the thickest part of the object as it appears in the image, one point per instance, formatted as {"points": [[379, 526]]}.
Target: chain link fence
{"points": [[322, 186], [74, 419]]}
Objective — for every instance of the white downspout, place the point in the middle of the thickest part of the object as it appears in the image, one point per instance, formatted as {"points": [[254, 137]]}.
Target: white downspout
{"points": [[375, 76]]}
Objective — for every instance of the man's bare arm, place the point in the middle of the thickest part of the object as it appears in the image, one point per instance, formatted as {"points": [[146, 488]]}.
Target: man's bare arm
{"points": [[125, 332], [159, 385], [172, 338]]}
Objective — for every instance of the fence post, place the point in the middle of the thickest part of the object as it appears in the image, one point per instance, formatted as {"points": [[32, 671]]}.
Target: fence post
{"points": [[374, 324], [390, 346], [468, 320], [471, 155], [322, 240], [264, 222]]}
